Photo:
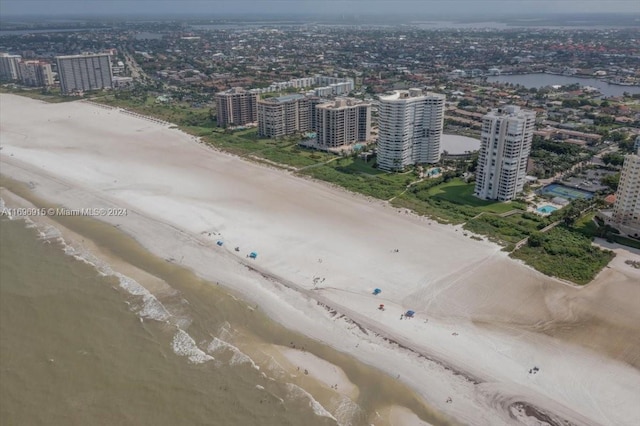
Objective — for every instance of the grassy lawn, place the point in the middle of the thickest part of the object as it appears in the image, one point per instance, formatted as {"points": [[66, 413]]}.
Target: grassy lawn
{"points": [[565, 253], [457, 191], [358, 176], [450, 202]]}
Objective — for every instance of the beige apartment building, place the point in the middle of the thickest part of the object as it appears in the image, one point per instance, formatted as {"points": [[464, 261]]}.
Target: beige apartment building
{"points": [[342, 122], [626, 210], [35, 73], [284, 115], [236, 107]]}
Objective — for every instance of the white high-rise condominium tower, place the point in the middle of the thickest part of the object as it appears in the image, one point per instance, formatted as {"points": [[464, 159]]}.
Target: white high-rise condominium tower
{"points": [[410, 128], [626, 210], [9, 66], [78, 73], [506, 143]]}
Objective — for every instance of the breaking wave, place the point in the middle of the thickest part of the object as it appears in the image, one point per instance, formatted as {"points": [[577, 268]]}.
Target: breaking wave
{"points": [[296, 392], [238, 356], [184, 345], [147, 306]]}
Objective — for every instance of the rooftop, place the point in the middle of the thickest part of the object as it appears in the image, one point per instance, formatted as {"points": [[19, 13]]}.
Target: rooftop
{"points": [[343, 103], [283, 99], [411, 94]]}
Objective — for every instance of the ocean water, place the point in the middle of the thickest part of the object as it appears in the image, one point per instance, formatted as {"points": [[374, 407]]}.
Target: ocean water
{"points": [[73, 352], [81, 344]]}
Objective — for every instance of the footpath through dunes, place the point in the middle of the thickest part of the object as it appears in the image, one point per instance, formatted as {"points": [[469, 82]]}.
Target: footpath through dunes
{"points": [[470, 299]]}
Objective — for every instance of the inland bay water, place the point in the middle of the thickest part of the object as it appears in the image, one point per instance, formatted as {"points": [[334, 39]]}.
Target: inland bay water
{"points": [[82, 346], [539, 80]]}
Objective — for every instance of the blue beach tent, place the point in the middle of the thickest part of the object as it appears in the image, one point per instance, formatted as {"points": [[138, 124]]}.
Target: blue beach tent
{"points": [[253, 255], [377, 291], [409, 314], [220, 243]]}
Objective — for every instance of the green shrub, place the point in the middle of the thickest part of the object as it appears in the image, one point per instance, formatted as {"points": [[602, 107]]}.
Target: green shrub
{"points": [[564, 253]]}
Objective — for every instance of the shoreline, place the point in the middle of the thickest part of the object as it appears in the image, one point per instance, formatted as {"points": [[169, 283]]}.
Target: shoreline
{"points": [[452, 298], [312, 374]]}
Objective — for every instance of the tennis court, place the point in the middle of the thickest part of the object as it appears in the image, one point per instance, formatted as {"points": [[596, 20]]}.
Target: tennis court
{"points": [[557, 190]]}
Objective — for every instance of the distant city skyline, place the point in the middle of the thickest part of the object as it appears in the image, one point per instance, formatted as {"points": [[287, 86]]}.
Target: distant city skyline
{"points": [[418, 8]]}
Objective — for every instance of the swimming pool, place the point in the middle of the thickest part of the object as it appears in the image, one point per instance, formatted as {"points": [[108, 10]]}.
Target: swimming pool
{"points": [[546, 209]]}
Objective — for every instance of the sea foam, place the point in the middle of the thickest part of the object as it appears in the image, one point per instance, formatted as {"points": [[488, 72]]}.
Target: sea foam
{"points": [[297, 392], [184, 345], [238, 356]]}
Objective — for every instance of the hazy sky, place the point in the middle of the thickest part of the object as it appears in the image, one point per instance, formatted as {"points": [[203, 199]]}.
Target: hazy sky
{"points": [[335, 7]]}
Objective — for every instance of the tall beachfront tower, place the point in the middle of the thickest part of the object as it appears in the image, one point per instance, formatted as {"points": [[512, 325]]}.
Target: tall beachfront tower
{"points": [[9, 66], [343, 122], [626, 210], [236, 107], [284, 115], [78, 73], [410, 126], [507, 134], [35, 73]]}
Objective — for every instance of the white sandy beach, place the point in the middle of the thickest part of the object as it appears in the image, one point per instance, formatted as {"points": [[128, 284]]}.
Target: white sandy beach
{"points": [[478, 312]]}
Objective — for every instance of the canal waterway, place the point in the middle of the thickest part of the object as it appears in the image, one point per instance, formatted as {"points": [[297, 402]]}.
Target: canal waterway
{"points": [[539, 80]]}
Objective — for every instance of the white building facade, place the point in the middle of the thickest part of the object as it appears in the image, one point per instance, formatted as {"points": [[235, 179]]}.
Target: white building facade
{"points": [[9, 66], [506, 139], [626, 210], [410, 129], [79, 73]]}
